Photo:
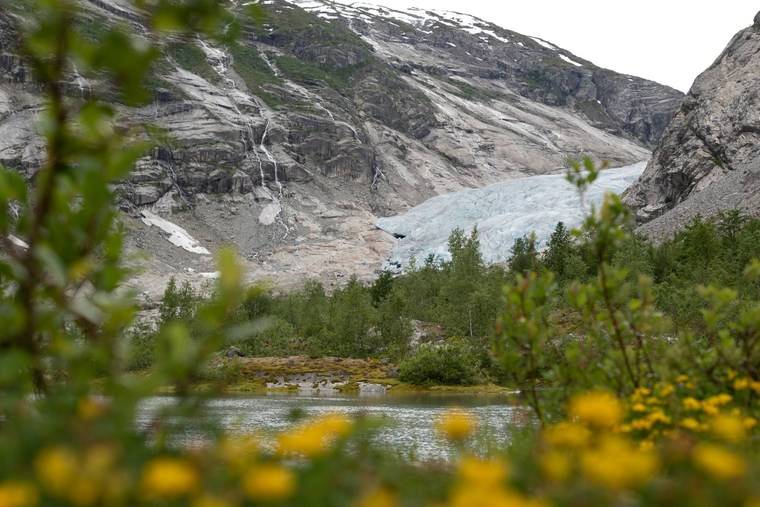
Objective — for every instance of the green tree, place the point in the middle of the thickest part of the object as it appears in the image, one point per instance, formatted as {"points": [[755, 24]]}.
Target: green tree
{"points": [[524, 254], [558, 251], [381, 287], [177, 304]]}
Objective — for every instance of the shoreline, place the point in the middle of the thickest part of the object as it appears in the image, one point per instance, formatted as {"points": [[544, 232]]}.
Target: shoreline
{"points": [[327, 376]]}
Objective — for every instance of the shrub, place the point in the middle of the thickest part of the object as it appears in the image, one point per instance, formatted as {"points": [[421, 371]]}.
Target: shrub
{"points": [[177, 304], [276, 338], [141, 348], [451, 363]]}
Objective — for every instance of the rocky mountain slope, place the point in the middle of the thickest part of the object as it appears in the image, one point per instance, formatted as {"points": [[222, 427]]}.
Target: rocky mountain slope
{"points": [[290, 143], [709, 157]]}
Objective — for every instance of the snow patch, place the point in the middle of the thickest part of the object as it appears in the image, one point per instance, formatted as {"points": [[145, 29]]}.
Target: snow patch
{"points": [[176, 235], [543, 43], [18, 241], [269, 214], [571, 61]]}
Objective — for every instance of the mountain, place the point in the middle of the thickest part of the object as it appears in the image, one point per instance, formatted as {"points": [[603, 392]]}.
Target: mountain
{"points": [[290, 143], [709, 157]]}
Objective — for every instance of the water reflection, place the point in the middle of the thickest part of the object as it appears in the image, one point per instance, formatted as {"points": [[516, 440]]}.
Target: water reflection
{"points": [[410, 419]]}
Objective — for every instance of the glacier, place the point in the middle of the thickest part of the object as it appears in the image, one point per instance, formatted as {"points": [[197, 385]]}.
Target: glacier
{"points": [[502, 213]]}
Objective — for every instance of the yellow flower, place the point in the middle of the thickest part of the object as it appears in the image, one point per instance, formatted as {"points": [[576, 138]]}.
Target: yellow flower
{"points": [[56, 469], [666, 390], [718, 462], [567, 434], [456, 425], [269, 482], [728, 427], [682, 379], [641, 392], [302, 441], [617, 464], [639, 407], [556, 466], [741, 384], [17, 494], [749, 423], [719, 400], [691, 404], [483, 472], [314, 437], [690, 424], [642, 424], [379, 497], [598, 409], [169, 478], [658, 416], [755, 386]]}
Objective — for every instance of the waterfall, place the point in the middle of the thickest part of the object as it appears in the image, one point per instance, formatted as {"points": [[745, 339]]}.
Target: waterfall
{"points": [[377, 174], [81, 82], [173, 177], [270, 157], [269, 63]]}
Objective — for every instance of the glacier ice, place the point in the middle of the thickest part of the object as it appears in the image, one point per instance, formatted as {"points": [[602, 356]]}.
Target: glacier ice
{"points": [[502, 213]]}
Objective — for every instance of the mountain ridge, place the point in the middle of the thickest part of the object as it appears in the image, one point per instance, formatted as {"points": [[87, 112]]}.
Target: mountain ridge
{"points": [[290, 143]]}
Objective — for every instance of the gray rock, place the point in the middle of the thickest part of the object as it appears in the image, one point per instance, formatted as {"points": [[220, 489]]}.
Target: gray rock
{"points": [[233, 352], [709, 157]]}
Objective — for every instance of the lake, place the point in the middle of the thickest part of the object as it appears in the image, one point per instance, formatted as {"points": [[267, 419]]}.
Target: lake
{"points": [[410, 419]]}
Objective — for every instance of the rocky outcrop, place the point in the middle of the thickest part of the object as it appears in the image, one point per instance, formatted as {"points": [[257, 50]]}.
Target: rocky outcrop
{"points": [[709, 158], [290, 143]]}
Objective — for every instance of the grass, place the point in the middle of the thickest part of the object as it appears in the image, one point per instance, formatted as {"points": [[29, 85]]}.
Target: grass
{"points": [[308, 73], [255, 73], [192, 58]]}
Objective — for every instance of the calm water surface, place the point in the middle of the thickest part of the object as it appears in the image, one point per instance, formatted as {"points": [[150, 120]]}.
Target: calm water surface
{"points": [[410, 420]]}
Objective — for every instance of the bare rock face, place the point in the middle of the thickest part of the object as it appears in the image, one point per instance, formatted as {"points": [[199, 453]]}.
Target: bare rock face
{"points": [[292, 142], [709, 157]]}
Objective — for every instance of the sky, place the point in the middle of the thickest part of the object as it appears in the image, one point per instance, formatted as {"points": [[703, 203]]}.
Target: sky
{"points": [[668, 41]]}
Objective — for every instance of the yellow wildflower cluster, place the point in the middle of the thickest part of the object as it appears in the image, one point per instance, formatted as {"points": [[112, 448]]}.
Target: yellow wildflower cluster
{"points": [[269, 482], [599, 409], [616, 463], [315, 437], [747, 383], [169, 478], [592, 445], [718, 462], [83, 478], [601, 449], [667, 409]]}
